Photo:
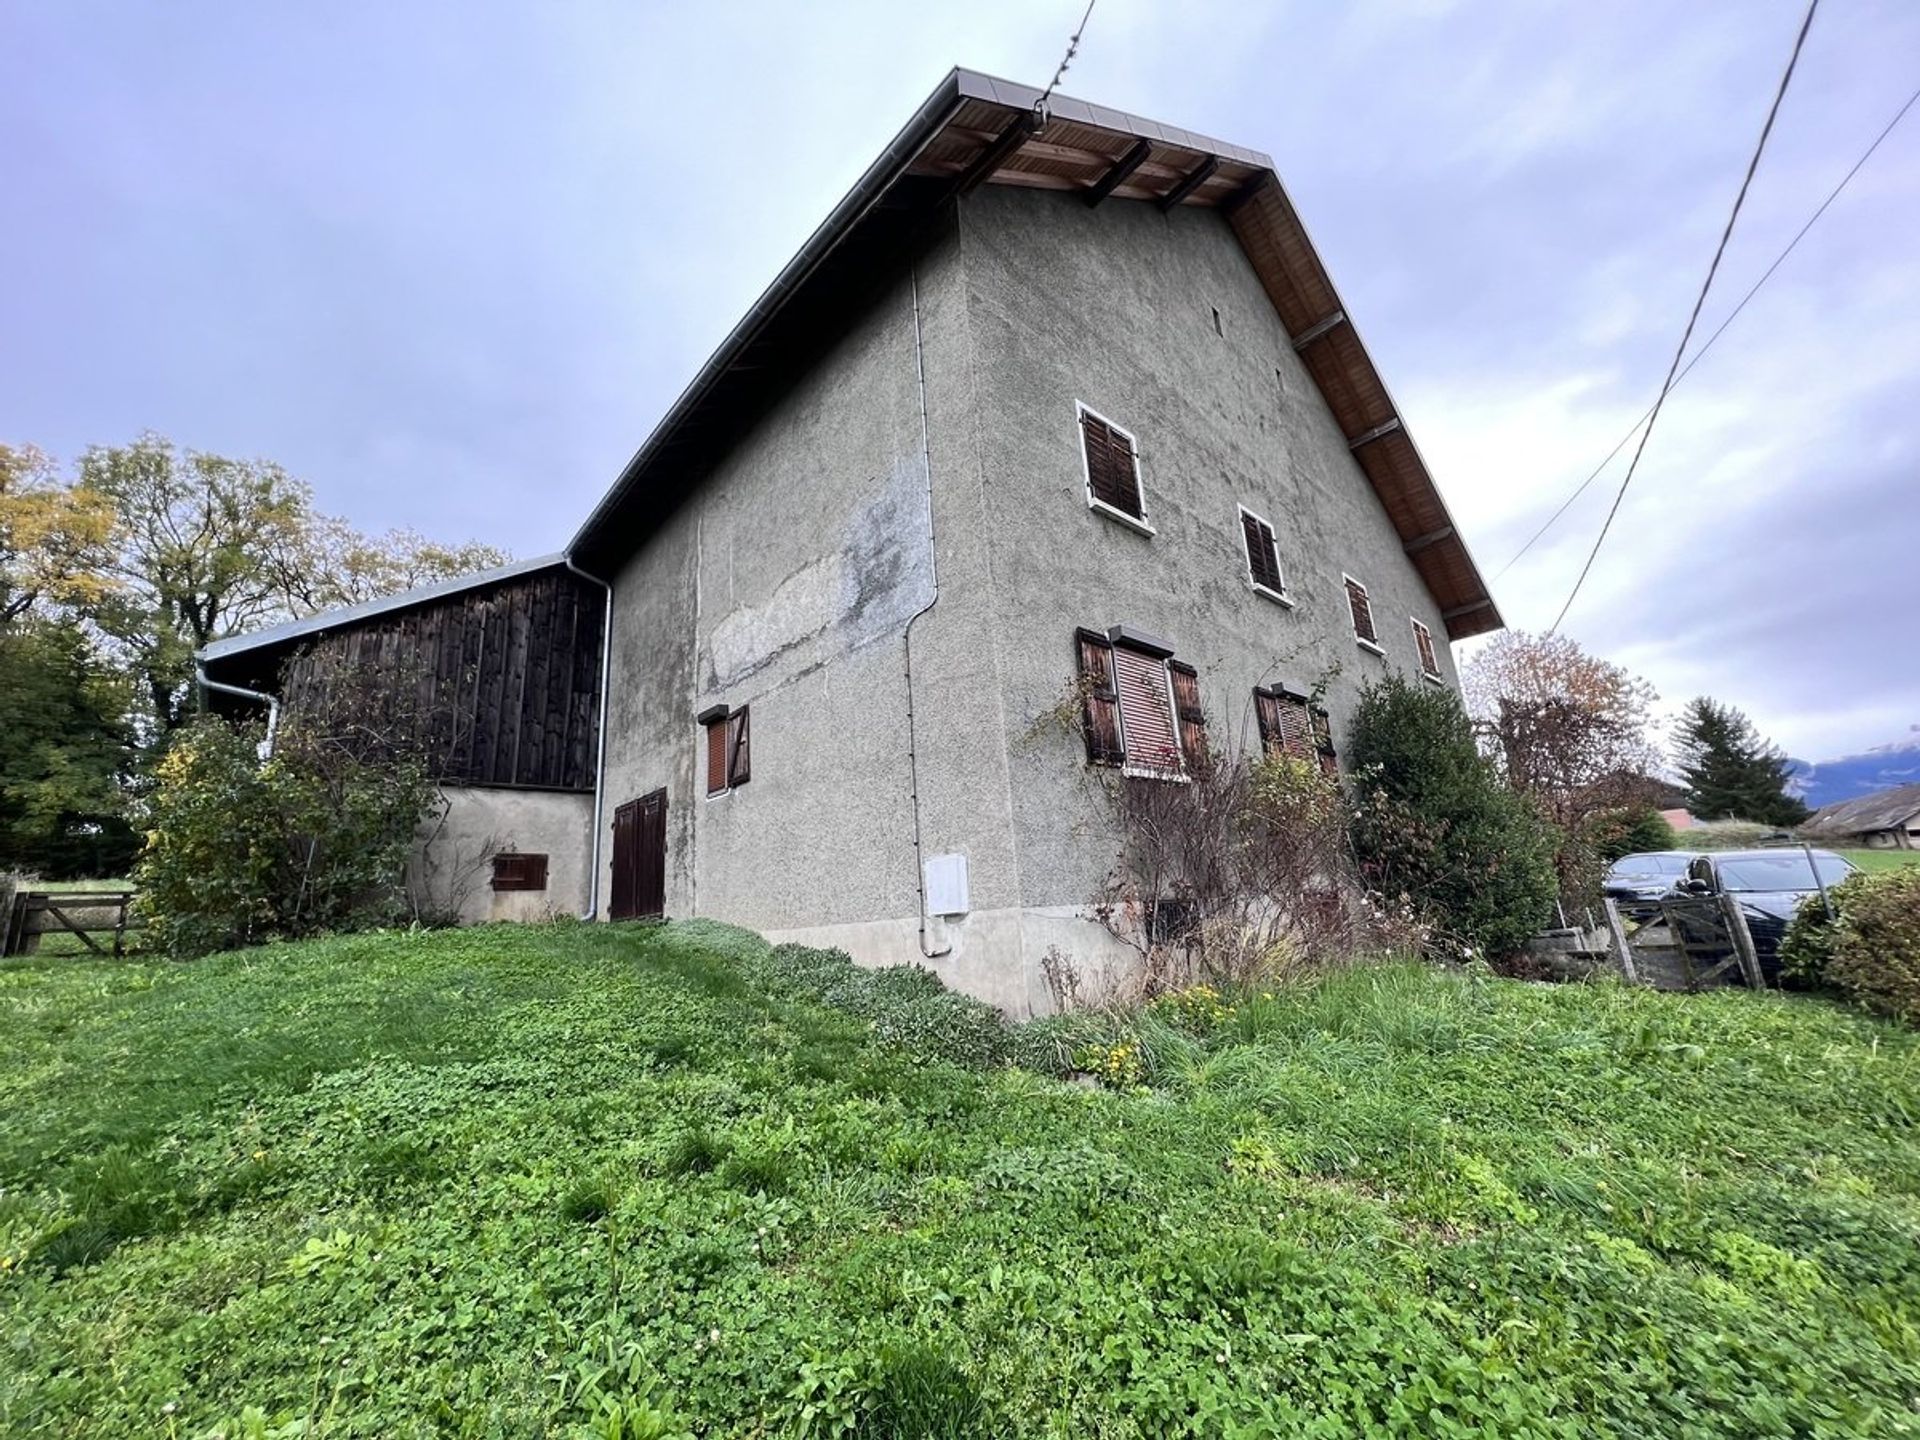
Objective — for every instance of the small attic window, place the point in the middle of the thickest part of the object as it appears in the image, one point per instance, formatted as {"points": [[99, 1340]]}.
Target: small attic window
{"points": [[519, 870], [1216, 322]]}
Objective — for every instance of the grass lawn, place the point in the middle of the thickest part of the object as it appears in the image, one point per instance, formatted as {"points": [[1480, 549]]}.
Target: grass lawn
{"points": [[501, 1182], [1881, 859]]}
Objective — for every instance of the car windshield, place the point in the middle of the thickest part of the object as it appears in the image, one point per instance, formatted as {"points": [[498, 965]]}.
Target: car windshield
{"points": [[1631, 865], [1786, 871]]}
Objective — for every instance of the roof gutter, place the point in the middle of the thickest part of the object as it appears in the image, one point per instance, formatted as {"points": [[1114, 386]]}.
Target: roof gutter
{"points": [[600, 737], [927, 122], [260, 696]]}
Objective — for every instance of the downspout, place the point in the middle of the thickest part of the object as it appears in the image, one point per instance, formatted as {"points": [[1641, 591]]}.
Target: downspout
{"points": [[271, 702], [600, 726], [933, 572]]}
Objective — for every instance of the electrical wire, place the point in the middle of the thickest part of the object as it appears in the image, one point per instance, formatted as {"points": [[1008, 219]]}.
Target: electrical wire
{"points": [[1732, 315], [1720, 251], [1073, 49]]}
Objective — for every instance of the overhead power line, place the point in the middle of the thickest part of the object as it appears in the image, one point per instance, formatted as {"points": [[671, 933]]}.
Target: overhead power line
{"points": [[1073, 49], [1653, 417], [1732, 315]]}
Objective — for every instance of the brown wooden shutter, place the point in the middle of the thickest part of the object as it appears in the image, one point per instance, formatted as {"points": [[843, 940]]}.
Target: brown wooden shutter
{"points": [[1112, 472], [1263, 563], [1186, 705], [1101, 712], [1147, 721], [1362, 610], [717, 755], [738, 744], [1323, 742], [1285, 726], [1266, 712], [1423, 641]]}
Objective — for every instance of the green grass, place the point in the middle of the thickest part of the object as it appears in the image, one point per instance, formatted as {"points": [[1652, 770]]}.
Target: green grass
{"points": [[519, 1182], [1881, 859]]}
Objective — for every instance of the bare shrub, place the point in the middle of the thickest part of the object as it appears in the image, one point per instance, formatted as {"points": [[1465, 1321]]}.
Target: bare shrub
{"points": [[1241, 873]]}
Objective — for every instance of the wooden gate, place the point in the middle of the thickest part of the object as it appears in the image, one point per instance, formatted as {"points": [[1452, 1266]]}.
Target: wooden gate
{"points": [[639, 858], [27, 915]]}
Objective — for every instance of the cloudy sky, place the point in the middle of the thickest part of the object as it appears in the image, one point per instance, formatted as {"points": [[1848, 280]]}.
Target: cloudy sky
{"points": [[449, 263]]}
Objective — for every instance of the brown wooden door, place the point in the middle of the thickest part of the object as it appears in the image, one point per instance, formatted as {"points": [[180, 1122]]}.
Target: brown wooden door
{"points": [[639, 858]]}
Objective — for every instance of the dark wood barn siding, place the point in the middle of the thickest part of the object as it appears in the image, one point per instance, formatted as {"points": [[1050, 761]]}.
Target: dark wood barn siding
{"points": [[501, 685]]}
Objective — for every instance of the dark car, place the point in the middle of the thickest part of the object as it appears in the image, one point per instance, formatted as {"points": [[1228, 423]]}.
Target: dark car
{"points": [[1637, 883], [1768, 885]]}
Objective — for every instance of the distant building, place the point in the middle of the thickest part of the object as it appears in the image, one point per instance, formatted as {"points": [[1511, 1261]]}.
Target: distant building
{"points": [[1679, 819], [1889, 820]]}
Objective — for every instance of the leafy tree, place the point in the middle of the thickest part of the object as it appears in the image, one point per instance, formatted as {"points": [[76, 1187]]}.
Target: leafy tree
{"points": [[64, 754], [1631, 831], [1731, 772], [1433, 822], [53, 537]]}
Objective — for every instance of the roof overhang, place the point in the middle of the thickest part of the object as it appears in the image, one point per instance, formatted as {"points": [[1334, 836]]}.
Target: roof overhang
{"points": [[976, 130], [255, 658]]}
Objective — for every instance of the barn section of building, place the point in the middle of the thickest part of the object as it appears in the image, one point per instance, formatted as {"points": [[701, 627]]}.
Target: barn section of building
{"points": [[496, 679], [1884, 820]]}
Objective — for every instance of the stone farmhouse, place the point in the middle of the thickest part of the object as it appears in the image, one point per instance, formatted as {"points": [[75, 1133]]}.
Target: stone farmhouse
{"points": [[1057, 407]]}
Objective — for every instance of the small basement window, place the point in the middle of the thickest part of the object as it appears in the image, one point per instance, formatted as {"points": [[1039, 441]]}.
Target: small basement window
{"points": [[1429, 658], [1362, 611], [519, 870], [1140, 706], [1112, 462], [729, 745], [1263, 557]]}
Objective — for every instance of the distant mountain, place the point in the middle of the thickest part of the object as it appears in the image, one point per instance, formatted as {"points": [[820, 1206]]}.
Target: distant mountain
{"points": [[1830, 781]]}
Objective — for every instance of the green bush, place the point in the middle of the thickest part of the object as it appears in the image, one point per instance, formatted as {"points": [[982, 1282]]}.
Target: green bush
{"points": [[314, 839], [1613, 833], [1869, 950], [906, 1006], [1434, 822]]}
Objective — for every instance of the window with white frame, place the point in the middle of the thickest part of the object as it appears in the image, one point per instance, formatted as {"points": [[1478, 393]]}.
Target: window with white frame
{"points": [[1112, 460], [1429, 657], [1140, 706], [1362, 611], [1263, 557]]}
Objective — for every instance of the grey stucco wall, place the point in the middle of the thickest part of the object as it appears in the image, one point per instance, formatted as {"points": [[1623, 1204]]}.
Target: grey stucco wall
{"points": [[1114, 307], [788, 584], [799, 580], [451, 869]]}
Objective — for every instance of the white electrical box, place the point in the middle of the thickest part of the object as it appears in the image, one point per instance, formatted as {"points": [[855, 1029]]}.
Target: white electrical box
{"points": [[946, 877]]}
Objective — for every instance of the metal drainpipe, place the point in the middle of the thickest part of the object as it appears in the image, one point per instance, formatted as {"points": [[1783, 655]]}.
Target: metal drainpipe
{"points": [[933, 570], [271, 702], [600, 725]]}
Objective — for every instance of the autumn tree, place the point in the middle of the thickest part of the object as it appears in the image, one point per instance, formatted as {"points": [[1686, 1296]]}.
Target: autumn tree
{"points": [[1572, 732], [53, 537], [1729, 770]]}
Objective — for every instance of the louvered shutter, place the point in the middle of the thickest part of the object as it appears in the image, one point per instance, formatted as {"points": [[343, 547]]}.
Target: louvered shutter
{"points": [[738, 745], [717, 755], [1101, 712], [1266, 712], [1362, 610], [1263, 564], [519, 870], [1186, 705], [1146, 712], [1285, 726], [1323, 742], [1423, 641], [1112, 472]]}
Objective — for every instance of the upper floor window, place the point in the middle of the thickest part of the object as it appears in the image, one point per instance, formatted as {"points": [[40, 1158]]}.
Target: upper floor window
{"points": [[728, 748], [1291, 724], [1113, 470], [1263, 557], [1362, 610], [1140, 706], [1429, 658]]}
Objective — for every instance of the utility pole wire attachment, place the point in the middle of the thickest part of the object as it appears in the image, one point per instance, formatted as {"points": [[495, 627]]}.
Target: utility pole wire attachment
{"points": [[1746, 183], [1073, 49]]}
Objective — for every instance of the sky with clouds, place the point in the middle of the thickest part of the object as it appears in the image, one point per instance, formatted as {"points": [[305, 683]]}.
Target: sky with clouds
{"points": [[450, 262]]}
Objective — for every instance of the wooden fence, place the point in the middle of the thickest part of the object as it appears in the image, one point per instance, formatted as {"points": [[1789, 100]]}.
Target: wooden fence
{"points": [[29, 914], [1695, 942]]}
